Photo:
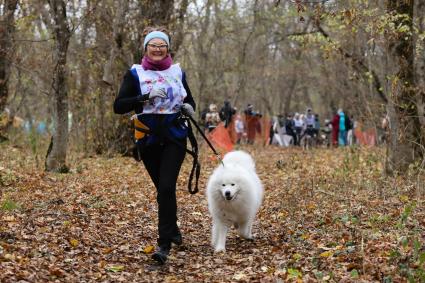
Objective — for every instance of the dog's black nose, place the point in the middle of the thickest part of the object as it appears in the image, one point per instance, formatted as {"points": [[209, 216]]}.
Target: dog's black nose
{"points": [[227, 194]]}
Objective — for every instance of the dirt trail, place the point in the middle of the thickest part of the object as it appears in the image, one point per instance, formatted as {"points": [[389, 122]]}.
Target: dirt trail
{"points": [[327, 216]]}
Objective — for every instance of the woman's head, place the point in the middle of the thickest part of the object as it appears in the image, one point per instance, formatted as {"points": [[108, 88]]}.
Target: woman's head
{"points": [[156, 43], [213, 107]]}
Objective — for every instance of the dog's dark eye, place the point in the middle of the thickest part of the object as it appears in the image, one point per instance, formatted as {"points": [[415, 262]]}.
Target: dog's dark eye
{"points": [[233, 184], [223, 185]]}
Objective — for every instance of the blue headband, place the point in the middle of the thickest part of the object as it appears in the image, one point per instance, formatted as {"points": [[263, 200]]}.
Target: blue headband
{"points": [[156, 34]]}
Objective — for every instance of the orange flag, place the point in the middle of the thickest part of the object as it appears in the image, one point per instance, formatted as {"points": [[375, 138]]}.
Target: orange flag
{"points": [[220, 138]]}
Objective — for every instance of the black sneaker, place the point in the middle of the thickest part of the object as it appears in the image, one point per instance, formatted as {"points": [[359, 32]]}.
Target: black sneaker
{"points": [[177, 239], [161, 254]]}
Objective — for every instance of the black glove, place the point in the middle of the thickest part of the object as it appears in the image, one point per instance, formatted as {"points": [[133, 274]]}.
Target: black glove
{"points": [[187, 110], [156, 92]]}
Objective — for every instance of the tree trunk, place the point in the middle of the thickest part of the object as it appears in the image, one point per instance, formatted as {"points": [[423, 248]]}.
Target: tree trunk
{"points": [[56, 155], [243, 58], [82, 102], [112, 68], [7, 28], [287, 99], [420, 65], [157, 13], [118, 36], [177, 28], [405, 143], [203, 53]]}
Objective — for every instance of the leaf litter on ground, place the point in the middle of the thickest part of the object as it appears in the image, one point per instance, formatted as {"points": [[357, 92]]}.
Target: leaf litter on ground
{"points": [[327, 216]]}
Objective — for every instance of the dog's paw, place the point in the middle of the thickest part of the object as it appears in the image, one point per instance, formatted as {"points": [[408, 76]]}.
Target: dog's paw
{"points": [[251, 239], [244, 234], [220, 250], [248, 238]]}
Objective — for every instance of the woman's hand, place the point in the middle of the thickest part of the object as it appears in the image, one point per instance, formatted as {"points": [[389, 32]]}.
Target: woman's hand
{"points": [[156, 92], [187, 110]]}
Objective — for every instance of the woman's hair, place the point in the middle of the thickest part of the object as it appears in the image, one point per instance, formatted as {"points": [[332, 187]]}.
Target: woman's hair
{"points": [[150, 29]]}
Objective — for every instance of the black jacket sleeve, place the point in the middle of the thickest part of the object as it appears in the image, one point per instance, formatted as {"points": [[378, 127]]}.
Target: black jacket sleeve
{"points": [[126, 100], [189, 98]]}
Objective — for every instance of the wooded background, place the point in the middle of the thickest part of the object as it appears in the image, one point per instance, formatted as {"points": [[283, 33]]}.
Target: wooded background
{"points": [[61, 62]]}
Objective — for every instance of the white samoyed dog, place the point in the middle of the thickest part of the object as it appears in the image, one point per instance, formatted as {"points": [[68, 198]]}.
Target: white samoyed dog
{"points": [[234, 194]]}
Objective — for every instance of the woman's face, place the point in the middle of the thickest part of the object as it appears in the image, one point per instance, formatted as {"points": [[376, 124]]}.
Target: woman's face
{"points": [[157, 49]]}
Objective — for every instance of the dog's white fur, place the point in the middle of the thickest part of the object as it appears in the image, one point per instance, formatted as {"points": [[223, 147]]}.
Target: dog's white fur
{"points": [[234, 194]]}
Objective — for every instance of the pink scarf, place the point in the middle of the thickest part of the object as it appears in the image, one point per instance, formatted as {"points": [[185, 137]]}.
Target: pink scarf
{"points": [[149, 64]]}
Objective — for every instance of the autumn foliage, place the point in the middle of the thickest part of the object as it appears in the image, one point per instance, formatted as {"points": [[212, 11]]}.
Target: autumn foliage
{"points": [[328, 216]]}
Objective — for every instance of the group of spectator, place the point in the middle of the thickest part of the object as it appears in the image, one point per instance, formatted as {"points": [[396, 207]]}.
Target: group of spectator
{"points": [[342, 127], [211, 117], [292, 129], [285, 130], [245, 126], [298, 125]]}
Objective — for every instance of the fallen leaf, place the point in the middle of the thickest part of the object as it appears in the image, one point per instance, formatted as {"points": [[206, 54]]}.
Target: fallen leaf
{"points": [[404, 198], [115, 268], [74, 242], [239, 276], [326, 254], [107, 250], [8, 218], [57, 272], [148, 249]]}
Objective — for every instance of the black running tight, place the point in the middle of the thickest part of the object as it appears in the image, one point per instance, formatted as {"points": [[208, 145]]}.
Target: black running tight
{"points": [[163, 163]]}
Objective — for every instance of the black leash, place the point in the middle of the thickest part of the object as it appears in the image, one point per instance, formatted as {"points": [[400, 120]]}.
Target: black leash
{"points": [[205, 137], [196, 166], [161, 133]]}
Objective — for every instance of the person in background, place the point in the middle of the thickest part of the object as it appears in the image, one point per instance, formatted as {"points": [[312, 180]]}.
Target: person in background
{"points": [[212, 118], [309, 123], [327, 132], [274, 124], [316, 126], [278, 131], [299, 124], [309, 119], [249, 109], [335, 129], [253, 125], [342, 131], [290, 128], [226, 113], [349, 130], [239, 128], [157, 91], [203, 116]]}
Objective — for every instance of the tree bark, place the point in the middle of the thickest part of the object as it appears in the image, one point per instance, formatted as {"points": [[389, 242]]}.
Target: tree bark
{"points": [[118, 36], [178, 32], [113, 67], [83, 99], [7, 28], [420, 64], [242, 60], [56, 155], [404, 147], [157, 12], [203, 53]]}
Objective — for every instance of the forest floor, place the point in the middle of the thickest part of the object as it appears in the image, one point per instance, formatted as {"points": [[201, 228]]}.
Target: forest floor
{"points": [[327, 216]]}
